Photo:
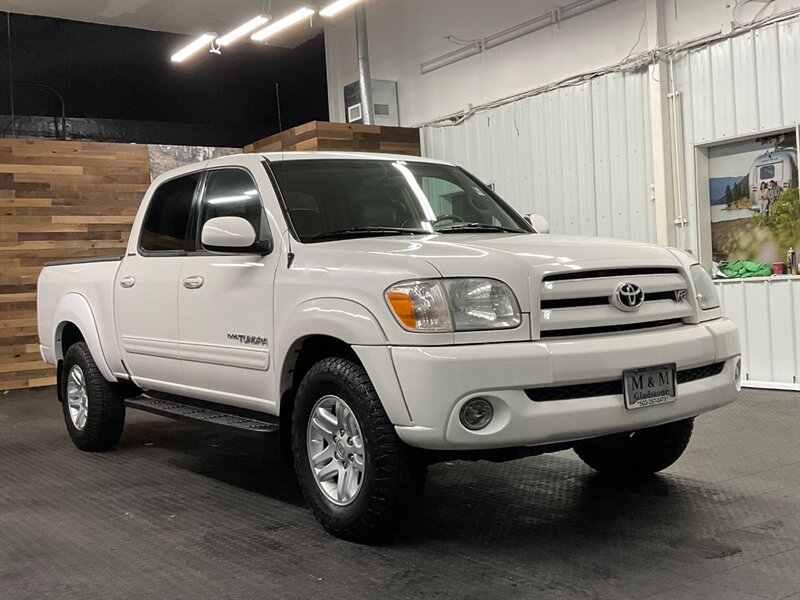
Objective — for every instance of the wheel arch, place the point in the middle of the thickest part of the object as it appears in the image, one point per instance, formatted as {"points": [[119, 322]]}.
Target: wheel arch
{"points": [[75, 322]]}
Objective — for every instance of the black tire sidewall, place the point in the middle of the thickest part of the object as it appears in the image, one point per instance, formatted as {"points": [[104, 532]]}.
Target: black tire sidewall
{"points": [[323, 383], [106, 410]]}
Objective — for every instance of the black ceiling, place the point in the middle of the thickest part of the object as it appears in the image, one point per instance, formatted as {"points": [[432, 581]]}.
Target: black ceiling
{"points": [[106, 72]]}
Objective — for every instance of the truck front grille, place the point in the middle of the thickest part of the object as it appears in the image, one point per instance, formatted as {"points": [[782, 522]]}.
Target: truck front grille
{"points": [[612, 387], [580, 303]]}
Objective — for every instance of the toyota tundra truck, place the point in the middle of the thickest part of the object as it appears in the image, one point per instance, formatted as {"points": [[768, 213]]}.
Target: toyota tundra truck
{"points": [[380, 313]]}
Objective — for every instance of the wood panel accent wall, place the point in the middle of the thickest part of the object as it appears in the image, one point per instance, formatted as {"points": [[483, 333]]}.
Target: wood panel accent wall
{"points": [[321, 135], [58, 200]]}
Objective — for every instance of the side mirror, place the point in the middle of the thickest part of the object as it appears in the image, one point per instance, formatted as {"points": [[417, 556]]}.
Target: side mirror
{"points": [[539, 223], [232, 234]]}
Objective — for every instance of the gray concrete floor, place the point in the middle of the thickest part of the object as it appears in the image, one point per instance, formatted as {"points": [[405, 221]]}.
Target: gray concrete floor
{"points": [[179, 511]]}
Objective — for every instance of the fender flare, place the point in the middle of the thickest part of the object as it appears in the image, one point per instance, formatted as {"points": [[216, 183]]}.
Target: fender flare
{"points": [[355, 325], [346, 320], [74, 308]]}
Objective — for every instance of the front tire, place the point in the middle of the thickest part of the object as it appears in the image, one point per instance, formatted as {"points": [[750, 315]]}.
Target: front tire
{"points": [[359, 478], [640, 453], [94, 409]]}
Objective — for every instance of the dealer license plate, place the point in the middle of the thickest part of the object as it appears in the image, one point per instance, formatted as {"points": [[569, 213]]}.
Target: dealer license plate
{"points": [[649, 386]]}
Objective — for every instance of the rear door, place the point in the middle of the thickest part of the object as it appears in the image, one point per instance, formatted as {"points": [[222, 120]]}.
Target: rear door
{"points": [[145, 291], [225, 301]]}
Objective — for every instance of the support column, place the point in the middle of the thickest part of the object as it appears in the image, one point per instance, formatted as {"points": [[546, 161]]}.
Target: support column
{"points": [[662, 187]]}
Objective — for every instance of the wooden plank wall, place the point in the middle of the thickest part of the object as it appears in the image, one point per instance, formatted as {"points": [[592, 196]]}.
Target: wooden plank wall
{"points": [[58, 200], [321, 135]]}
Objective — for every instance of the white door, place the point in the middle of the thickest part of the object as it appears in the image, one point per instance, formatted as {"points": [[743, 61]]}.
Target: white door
{"points": [[146, 289], [225, 303]]}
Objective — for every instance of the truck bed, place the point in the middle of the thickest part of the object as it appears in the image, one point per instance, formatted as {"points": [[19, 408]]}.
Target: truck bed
{"points": [[62, 286]]}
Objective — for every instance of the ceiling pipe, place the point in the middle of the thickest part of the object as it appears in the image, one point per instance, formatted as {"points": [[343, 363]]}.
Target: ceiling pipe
{"points": [[364, 79], [553, 16]]}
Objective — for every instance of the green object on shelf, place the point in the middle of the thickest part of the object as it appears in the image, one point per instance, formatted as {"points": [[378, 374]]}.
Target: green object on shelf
{"points": [[744, 268]]}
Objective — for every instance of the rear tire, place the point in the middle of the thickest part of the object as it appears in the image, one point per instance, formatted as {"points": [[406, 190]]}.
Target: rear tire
{"points": [[94, 409], [640, 453], [387, 477]]}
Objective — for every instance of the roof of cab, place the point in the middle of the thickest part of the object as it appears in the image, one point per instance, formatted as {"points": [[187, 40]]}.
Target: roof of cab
{"points": [[313, 155]]}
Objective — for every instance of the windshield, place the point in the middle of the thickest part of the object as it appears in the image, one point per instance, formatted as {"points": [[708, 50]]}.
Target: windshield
{"points": [[338, 198]]}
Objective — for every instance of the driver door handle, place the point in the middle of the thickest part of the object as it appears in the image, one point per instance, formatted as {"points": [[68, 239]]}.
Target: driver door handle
{"points": [[193, 282], [127, 282]]}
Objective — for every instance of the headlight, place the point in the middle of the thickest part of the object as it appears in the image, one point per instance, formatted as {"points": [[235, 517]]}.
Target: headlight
{"points": [[467, 304], [704, 288]]}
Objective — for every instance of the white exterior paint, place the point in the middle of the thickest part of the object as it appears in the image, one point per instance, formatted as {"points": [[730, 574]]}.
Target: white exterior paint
{"points": [[767, 312], [403, 34], [336, 288]]}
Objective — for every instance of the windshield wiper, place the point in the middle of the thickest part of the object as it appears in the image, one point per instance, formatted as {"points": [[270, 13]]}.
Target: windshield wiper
{"points": [[369, 230], [459, 227]]}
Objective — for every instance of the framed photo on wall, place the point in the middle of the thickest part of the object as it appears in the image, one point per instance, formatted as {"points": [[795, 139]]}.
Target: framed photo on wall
{"points": [[750, 190]]}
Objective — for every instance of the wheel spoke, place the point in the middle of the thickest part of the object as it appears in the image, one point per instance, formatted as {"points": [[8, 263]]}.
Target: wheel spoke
{"points": [[341, 490], [341, 414], [328, 471], [323, 455], [323, 427]]}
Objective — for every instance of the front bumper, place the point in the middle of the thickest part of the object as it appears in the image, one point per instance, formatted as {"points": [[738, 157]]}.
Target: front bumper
{"points": [[437, 381]]}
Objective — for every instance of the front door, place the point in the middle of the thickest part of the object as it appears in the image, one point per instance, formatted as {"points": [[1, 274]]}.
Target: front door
{"points": [[225, 303], [146, 288]]}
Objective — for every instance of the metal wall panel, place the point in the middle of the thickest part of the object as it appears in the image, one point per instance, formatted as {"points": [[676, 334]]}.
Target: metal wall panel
{"points": [[581, 155], [743, 85], [767, 312]]}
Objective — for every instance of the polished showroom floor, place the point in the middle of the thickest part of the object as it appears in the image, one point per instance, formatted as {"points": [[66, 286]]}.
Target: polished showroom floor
{"points": [[180, 511]]}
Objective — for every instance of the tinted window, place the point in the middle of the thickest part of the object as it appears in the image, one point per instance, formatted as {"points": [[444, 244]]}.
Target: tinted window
{"points": [[331, 196], [232, 193], [167, 220], [767, 172]]}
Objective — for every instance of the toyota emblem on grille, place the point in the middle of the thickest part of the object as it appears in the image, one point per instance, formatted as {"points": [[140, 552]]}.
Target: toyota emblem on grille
{"points": [[628, 297]]}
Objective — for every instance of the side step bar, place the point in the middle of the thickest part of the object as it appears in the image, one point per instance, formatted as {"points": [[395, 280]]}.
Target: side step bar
{"points": [[175, 409]]}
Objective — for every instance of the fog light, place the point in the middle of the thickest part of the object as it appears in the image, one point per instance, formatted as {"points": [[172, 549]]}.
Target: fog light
{"points": [[737, 375], [476, 414]]}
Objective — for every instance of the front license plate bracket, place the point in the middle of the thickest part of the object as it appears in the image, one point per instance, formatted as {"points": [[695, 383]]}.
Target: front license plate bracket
{"points": [[649, 386]]}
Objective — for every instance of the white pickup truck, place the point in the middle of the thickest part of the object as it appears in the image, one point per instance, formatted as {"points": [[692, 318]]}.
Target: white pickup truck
{"points": [[381, 313]]}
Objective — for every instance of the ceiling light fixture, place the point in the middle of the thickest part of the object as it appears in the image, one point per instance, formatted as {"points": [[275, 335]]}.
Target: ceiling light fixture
{"points": [[281, 24], [193, 46], [336, 7], [242, 30]]}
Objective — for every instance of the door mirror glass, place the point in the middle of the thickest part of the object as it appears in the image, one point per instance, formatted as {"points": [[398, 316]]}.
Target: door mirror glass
{"points": [[230, 234], [539, 223]]}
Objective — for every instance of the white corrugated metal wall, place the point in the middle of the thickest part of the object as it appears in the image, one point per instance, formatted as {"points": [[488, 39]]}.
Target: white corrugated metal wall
{"points": [[581, 156], [740, 86], [578, 155], [767, 312]]}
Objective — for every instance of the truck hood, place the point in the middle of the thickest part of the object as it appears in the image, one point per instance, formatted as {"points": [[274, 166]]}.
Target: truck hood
{"points": [[520, 260]]}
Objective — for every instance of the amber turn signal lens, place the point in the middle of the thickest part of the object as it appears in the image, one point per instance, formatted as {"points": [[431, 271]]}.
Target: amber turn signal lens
{"points": [[402, 307]]}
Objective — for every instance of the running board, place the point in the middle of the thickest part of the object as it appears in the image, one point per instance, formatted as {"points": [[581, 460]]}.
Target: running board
{"points": [[179, 410]]}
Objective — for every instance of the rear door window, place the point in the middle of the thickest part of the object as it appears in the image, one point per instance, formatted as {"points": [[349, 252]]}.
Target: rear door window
{"points": [[166, 225], [767, 172]]}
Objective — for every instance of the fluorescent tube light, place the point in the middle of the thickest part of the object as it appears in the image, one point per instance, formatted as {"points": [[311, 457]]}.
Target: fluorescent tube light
{"points": [[242, 30], [281, 24], [193, 47], [336, 7]]}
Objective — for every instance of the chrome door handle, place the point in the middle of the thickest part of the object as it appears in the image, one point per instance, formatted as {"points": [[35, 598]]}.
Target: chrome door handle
{"points": [[127, 282], [193, 282]]}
